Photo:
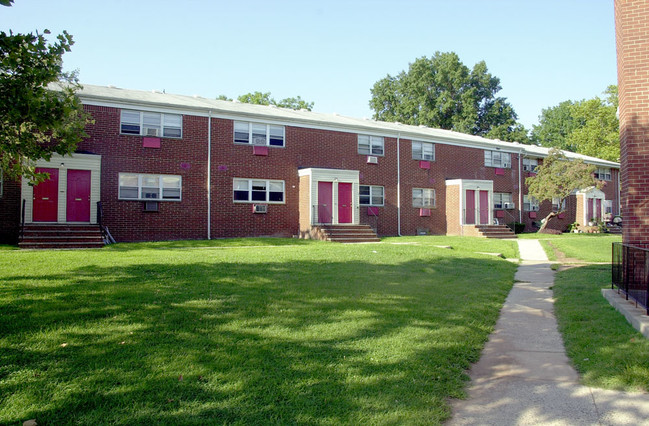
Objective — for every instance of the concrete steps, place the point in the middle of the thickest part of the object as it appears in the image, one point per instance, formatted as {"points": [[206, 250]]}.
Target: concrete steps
{"points": [[57, 236], [495, 231], [348, 233]]}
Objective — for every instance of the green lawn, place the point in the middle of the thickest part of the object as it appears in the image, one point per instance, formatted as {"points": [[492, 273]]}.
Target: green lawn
{"points": [[585, 247], [246, 331], [604, 348]]}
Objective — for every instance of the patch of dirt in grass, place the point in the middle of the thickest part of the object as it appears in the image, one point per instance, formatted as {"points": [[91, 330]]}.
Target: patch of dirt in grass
{"points": [[566, 262]]}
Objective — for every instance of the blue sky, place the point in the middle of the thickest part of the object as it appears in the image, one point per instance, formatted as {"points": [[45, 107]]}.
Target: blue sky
{"points": [[330, 52]]}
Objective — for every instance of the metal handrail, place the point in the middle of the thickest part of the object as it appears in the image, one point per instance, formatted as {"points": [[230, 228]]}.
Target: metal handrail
{"points": [[21, 231], [630, 272], [105, 233]]}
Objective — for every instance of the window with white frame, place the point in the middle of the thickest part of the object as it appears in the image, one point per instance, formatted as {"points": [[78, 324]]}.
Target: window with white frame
{"points": [[530, 164], [558, 204], [603, 173], [148, 187], [371, 195], [530, 204], [257, 191], [497, 159], [503, 200], [423, 151], [258, 134], [151, 124], [423, 197], [608, 207], [370, 145]]}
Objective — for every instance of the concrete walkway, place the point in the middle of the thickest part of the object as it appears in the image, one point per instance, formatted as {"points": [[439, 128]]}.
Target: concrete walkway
{"points": [[524, 376]]}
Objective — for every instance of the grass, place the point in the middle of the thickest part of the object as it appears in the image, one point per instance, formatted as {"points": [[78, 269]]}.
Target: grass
{"points": [[246, 332], [604, 348], [583, 247]]}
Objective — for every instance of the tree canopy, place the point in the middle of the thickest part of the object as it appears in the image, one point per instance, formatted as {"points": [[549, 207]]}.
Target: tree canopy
{"points": [[444, 93], [589, 127], [557, 178], [36, 121], [265, 98]]}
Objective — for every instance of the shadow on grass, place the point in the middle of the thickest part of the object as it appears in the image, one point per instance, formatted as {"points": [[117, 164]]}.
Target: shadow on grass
{"points": [[310, 341]]}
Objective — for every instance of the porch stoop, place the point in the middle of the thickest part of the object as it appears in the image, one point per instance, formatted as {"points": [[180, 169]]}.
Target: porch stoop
{"points": [[50, 236], [347, 233], [495, 231]]}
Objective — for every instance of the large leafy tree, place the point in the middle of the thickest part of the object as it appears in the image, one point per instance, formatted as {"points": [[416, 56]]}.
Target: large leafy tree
{"points": [[35, 120], [444, 93], [557, 178], [265, 98], [589, 127]]}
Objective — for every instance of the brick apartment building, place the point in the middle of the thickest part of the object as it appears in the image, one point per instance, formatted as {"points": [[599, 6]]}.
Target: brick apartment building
{"points": [[168, 167]]}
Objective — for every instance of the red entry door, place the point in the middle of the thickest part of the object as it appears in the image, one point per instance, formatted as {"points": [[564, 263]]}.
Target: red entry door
{"points": [[598, 208], [325, 198], [78, 198], [344, 203], [46, 197], [590, 209], [469, 214], [484, 207]]}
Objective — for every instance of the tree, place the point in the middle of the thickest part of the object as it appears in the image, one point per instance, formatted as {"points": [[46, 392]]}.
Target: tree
{"points": [[442, 92], [260, 98], [36, 120], [589, 127], [557, 178]]}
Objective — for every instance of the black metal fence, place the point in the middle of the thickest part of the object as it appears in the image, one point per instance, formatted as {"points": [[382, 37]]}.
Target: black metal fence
{"points": [[630, 272]]}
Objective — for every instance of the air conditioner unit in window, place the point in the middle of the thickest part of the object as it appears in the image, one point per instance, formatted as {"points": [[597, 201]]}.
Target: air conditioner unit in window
{"points": [[535, 208], [507, 166], [150, 131], [508, 205], [150, 206], [260, 208], [371, 159]]}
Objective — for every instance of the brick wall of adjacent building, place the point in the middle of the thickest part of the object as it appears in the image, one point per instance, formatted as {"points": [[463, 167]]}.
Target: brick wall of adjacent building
{"points": [[632, 37]]}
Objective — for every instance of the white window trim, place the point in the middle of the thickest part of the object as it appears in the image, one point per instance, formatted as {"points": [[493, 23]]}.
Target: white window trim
{"points": [[501, 164], [498, 196], [603, 173], [555, 204], [530, 164], [372, 188], [532, 204], [268, 182], [250, 125], [421, 149], [141, 123], [140, 186], [373, 141], [432, 197]]}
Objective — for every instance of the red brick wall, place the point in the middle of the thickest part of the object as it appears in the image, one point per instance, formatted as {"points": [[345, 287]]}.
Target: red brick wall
{"points": [[186, 157], [632, 36]]}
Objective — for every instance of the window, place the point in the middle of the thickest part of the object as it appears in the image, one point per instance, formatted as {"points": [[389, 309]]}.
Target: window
{"points": [[608, 207], [530, 204], [423, 151], [135, 186], [370, 195], [258, 134], [370, 145], [558, 204], [503, 200], [258, 191], [423, 197], [530, 164], [151, 124], [603, 173], [498, 159]]}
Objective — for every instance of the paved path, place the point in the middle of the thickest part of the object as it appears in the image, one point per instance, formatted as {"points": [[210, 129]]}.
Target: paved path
{"points": [[524, 376]]}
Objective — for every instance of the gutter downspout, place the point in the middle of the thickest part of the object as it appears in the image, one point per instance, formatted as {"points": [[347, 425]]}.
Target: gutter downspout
{"points": [[209, 175], [399, 184]]}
